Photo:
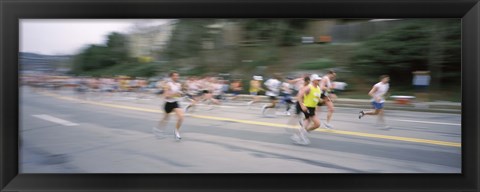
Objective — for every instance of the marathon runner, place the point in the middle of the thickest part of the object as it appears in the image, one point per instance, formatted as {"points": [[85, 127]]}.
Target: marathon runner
{"points": [[378, 93], [172, 94]]}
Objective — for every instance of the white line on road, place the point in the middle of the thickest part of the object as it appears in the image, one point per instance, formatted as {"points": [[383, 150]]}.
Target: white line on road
{"points": [[429, 122], [55, 120]]}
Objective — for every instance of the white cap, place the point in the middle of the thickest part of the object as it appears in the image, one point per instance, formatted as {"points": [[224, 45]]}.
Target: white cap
{"points": [[258, 78], [315, 77]]}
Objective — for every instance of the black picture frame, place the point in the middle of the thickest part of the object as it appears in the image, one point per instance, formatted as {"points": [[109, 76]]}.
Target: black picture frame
{"points": [[13, 10]]}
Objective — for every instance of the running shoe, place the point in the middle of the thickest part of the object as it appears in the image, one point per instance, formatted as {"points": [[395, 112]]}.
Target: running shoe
{"points": [[298, 140], [361, 114], [295, 138], [328, 126], [177, 135], [305, 141], [303, 135]]}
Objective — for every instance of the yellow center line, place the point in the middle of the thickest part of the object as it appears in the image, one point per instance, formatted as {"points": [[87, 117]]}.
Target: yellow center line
{"points": [[369, 135], [435, 142]]}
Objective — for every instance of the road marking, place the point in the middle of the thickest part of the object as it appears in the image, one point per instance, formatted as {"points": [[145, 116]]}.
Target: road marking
{"points": [[378, 136], [428, 122], [103, 104], [55, 120], [444, 143]]}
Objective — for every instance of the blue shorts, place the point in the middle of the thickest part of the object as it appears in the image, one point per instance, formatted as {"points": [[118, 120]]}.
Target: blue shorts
{"points": [[377, 105]]}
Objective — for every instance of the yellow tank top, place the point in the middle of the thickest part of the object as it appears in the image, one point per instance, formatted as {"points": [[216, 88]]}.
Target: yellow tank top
{"points": [[311, 100], [254, 86]]}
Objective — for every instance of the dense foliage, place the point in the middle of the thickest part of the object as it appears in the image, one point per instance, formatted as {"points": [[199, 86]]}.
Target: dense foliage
{"points": [[433, 46], [188, 37], [96, 57]]}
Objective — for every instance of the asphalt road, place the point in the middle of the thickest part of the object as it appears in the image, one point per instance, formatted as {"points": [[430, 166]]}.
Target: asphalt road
{"points": [[61, 133]]}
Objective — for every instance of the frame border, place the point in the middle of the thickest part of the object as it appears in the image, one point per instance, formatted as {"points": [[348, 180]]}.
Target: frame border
{"points": [[13, 10]]}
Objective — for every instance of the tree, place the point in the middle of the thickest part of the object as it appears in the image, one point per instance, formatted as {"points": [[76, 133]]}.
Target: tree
{"points": [[418, 45], [187, 38], [117, 45], [280, 32], [97, 57]]}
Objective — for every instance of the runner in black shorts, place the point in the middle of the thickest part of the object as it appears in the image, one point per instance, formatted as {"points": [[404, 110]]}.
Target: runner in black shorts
{"points": [[172, 95], [170, 106], [310, 112], [308, 98], [306, 81]]}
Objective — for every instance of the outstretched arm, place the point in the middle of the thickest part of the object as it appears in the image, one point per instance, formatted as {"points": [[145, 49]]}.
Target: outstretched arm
{"points": [[304, 91]]}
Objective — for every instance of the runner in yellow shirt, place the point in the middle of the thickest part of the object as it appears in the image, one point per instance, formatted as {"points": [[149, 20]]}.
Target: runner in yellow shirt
{"points": [[308, 98], [255, 87]]}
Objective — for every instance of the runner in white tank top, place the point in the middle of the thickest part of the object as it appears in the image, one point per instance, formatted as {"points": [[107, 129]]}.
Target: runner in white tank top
{"points": [[328, 96], [273, 90], [172, 95], [378, 94]]}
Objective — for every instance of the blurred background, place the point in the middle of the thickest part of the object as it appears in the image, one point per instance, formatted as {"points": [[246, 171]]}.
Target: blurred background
{"points": [[359, 50]]}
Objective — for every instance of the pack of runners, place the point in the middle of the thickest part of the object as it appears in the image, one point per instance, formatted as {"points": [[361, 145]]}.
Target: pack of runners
{"points": [[302, 97]]}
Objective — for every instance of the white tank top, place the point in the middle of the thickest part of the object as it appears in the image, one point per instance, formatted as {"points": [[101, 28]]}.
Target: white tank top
{"points": [[328, 83], [381, 90], [174, 89], [273, 86]]}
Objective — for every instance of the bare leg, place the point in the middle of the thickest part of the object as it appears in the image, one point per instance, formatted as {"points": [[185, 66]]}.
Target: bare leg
{"points": [[179, 114], [381, 120], [316, 123], [273, 104], [159, 131], [162, 123], [330, 111], [376, 112], [215, 101], [193, 102], [306, 123]]}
